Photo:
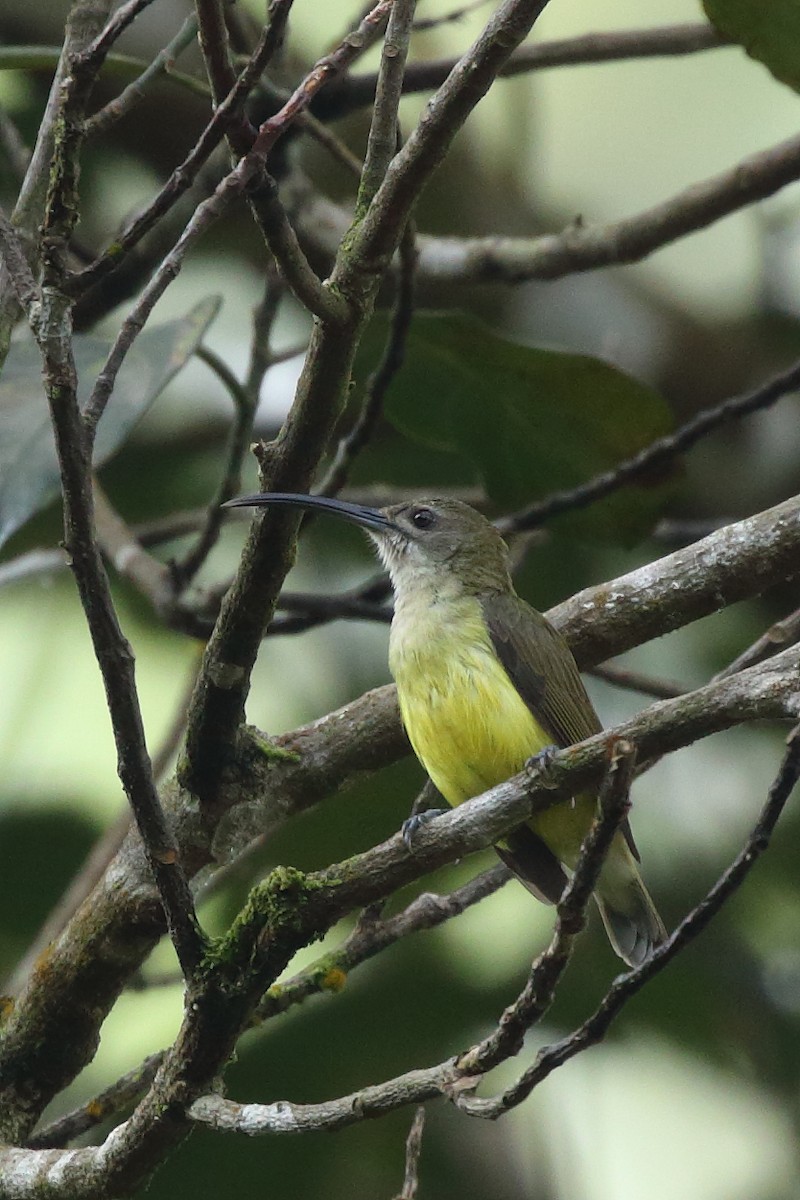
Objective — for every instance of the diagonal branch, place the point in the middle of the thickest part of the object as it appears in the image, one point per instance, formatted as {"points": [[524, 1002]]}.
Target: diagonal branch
{"points": [[49, 321], [654, 457], [369, 938], [135, 91], [539, 992], [594, 1029]]}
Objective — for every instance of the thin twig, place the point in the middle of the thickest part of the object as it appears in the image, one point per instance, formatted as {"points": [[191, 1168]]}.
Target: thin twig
{"points": [[362, 603], [282, 242], [126, 1091], [384, 130], [122, 66], [660, 452], [356, 91], [262, 356], [682, 531], [780, 635], [183, 570], [49, 320], [122, 549], [423, 24], [245, 398], [214, 43], [539, 992], [125, 15], [594, 1029], [209, 211], [136, 91], [16, 152], [414, 1139], [224, 117], [381, 378], [369, 938], [333, 144]]}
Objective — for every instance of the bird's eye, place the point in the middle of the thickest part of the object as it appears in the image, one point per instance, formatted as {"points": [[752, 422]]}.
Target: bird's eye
{"points": [[422, 518]]}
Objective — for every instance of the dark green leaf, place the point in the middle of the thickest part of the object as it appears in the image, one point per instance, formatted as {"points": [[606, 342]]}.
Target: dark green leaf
{"points": [[29, 476], [529, 421], [769, 30]]}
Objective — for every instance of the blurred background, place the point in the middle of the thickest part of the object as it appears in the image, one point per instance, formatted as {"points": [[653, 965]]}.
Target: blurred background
{"points": [[695, 1093]]}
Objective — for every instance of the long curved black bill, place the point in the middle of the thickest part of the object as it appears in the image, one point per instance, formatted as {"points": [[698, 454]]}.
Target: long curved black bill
{"points": [[359, 514]]}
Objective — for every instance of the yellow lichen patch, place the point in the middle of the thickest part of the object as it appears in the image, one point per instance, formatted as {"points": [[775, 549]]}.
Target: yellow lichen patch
{"points": [[334, 979]]}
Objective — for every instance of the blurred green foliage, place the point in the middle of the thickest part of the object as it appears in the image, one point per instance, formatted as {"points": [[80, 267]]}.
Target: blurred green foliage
{"points": [[528, 420], [769, 33]]}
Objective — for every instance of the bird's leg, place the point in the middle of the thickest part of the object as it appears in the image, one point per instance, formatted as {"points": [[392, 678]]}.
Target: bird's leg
{"points": [[424, 809], [539, 764]]}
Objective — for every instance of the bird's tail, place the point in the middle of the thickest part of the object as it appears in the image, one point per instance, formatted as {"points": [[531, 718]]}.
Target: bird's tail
{"points": [[631, 919]]}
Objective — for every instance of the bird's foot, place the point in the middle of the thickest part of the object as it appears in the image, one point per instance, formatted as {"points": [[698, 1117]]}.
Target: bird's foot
{"points": [[412, 825], [539, 764]]}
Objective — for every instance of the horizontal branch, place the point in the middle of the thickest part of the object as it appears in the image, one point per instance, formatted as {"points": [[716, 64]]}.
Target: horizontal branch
{"points": [[581, 247], [587, 247], [356, 91]]}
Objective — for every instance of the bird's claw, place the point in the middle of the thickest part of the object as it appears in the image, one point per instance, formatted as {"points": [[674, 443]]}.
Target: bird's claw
{"points": [[414, 823], [539, 764]]}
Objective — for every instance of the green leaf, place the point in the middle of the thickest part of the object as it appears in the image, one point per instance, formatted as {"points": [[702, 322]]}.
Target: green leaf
{"points": [[529, 421], [29, 475], [769, 30]]}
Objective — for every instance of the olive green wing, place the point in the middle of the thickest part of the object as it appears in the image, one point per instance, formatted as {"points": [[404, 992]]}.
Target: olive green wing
{"points": [[539, 663]]}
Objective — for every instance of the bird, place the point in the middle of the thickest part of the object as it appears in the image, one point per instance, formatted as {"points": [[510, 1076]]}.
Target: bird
{"points": [[485, 683]]}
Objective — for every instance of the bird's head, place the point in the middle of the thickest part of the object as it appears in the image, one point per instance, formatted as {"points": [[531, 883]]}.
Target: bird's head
{"points": [[417, 540]]}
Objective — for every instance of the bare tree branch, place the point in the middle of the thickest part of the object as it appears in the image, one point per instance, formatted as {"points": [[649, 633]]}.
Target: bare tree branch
{"points": [[381, 378], [49, 321], [358, 90], [539, 992], [582, 247], [384, 130], [129, 918], [326, 974], [135, 92], [413, 1146], [658, 453]]}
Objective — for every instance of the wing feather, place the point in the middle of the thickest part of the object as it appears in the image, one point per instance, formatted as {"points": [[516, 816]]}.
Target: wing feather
{"points": [[541, 667]]}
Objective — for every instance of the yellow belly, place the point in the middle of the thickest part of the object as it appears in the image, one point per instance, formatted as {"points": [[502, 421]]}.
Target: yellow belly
{"points": [[465, 719], [467, 723]]}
